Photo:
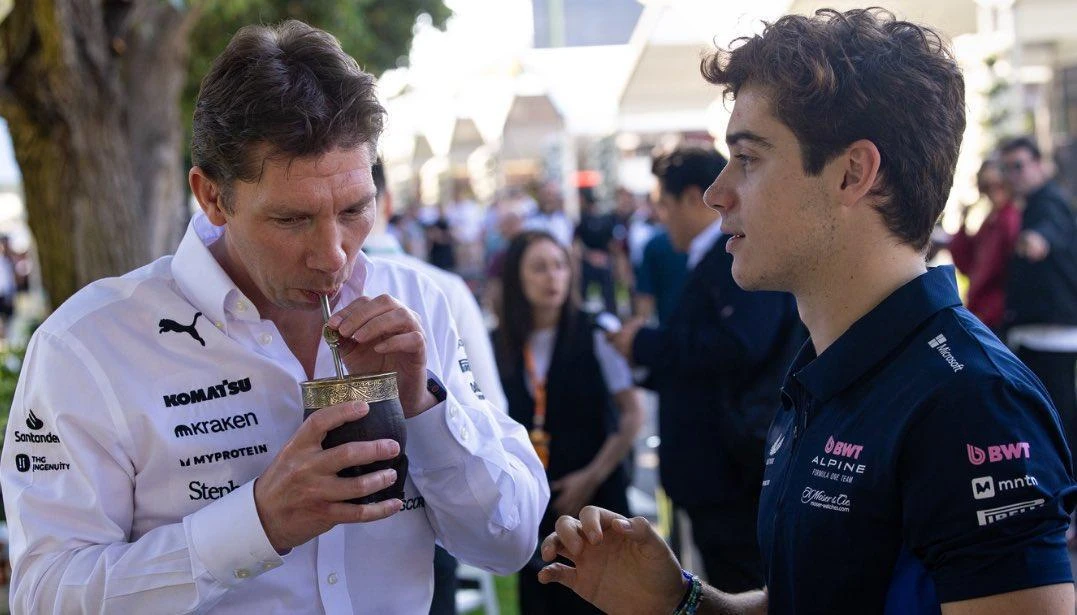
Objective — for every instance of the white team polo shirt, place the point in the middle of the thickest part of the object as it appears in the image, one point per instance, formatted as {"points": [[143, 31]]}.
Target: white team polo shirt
{"points": [[147, 406]]}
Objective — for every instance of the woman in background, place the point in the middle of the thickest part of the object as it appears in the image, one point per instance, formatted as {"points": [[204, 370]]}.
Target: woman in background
{"points": [[570, 389], [983, 256]]}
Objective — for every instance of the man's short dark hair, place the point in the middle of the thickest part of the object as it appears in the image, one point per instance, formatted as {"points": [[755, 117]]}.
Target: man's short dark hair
{"points": [[377, 173], [686, 166], [287, 91], [1025, 143], [836, 78]]}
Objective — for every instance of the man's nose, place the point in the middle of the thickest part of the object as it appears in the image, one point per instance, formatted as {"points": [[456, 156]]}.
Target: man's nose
{"points": [[326, 252], [717, 196]]}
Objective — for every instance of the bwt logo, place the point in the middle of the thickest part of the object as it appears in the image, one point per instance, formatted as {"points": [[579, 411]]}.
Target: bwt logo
{"points": [[999, 452], [842, 449]]}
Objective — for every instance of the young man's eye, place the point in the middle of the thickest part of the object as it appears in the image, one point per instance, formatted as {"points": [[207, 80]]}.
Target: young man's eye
{"points": [[744, 159]]}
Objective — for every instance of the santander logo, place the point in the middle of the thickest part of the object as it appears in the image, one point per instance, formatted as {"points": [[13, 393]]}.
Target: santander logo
{"points": [[998, 452], [842, 449]]}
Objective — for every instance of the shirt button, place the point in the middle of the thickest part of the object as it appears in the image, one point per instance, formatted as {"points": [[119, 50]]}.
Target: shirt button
{"points": [[242, 573], [269, 565], [219, 325], [452, 412], [265, 338], [241, 306], [463, 433], [332, 578]]}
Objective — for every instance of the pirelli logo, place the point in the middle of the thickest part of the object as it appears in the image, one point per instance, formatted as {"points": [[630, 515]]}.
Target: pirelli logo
{"points": [[991, 515]]}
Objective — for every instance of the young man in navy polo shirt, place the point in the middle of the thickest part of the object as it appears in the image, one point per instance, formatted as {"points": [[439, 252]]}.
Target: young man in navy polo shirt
{"points": [[915, 465]]}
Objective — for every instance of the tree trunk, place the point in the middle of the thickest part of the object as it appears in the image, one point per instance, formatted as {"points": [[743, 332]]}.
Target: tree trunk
{"points": [[91, 91]]}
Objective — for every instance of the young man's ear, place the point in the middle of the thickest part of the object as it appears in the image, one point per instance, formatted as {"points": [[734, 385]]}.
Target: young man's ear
{"points": [[208, 195], [860, 166]]}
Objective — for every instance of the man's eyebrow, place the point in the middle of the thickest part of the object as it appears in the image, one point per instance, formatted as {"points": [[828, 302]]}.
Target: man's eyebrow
{"points": [[747, 135], [366, 200], [284, 208]]}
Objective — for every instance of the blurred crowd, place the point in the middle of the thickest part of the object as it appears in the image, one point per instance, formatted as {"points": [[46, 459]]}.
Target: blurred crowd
{"points": [[15, 270], [606, 240]]}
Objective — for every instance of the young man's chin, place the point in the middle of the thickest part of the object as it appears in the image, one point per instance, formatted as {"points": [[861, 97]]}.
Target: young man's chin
{"points": [[749, 280]]}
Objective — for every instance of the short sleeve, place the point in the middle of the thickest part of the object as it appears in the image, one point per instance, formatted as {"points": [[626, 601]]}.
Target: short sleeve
{"points": [[986, 488]]}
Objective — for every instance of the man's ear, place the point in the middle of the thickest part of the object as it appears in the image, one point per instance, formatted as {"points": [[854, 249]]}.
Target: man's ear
{"points": [[860, 165], [208, 194]]}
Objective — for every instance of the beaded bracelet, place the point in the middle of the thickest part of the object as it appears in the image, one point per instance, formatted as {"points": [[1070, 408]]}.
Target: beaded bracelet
{"points": [[692, 596]]}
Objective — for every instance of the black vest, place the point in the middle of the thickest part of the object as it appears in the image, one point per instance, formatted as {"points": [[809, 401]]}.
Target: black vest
{"points": [[580, 413]]}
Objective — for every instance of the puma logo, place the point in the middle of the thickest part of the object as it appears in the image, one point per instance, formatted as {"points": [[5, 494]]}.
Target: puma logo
{"points": [[170, 326]]}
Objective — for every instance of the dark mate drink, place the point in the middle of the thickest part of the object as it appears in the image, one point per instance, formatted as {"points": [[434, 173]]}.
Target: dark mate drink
{"points": [[384, 421]]}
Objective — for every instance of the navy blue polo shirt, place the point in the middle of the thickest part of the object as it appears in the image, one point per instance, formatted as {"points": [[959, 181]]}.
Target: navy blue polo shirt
{"points": [[915, 462]]}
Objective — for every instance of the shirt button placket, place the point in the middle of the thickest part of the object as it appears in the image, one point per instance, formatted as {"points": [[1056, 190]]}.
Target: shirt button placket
{"points": [[332, 573]]}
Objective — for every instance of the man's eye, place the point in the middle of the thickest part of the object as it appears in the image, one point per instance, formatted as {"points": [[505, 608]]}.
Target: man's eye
{"points": [[744, 159]]}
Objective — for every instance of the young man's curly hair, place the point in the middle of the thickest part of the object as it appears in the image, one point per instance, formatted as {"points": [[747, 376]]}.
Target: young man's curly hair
{"points": [[838, 77]]}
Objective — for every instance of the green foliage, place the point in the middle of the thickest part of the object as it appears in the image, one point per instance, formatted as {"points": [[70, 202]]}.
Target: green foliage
{"points": [[506, 596], [377, 33], [10, 364]]}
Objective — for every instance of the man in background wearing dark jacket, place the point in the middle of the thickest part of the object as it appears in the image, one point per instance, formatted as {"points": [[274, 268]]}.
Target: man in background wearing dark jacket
{"points": [[1041, 294], [717, 365]]}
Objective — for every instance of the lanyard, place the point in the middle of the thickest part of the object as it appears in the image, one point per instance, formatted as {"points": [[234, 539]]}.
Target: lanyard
{"points": [[540, 438]]}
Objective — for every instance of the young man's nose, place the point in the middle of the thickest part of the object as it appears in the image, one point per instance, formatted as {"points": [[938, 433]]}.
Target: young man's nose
{"points": [[718, 196]]}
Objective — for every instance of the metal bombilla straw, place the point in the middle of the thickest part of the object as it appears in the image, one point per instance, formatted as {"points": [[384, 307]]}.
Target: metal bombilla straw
{"points": [[332, 337]]}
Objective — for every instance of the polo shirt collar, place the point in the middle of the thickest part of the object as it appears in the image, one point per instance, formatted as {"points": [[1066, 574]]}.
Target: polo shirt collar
{"points": [[199, 276], [206, 285], [873, 337]]}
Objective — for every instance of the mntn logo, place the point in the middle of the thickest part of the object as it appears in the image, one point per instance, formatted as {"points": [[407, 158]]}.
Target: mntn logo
{"points": [[983, 487]]}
